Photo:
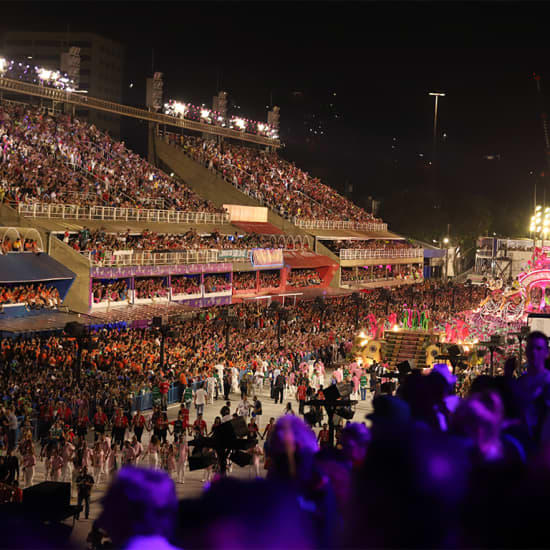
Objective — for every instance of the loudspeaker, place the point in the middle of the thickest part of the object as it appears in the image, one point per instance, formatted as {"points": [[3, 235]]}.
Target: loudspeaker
{"points": [[345, 412], [224, 434], [331, 393], [404, 368], [241, 458], [227, 432], [344, 389], [157, 321], [244, 444], [453, 350], [200, 462], [75, 329], [239, 426], [309, 417], [48, 500]]}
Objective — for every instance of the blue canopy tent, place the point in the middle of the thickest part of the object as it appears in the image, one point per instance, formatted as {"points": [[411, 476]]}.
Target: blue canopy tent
{"points": [[28, 267]]}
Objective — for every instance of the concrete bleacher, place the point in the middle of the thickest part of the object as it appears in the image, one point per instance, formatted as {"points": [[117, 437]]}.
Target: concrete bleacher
{"points": [[211, 186], [205, 183]]}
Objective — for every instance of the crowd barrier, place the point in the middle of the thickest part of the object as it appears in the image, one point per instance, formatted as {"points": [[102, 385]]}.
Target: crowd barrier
{"points": [[142, 402]]}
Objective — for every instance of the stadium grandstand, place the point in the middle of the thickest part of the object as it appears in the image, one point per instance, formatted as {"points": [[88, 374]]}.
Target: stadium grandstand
{"points": [[216, 217]]}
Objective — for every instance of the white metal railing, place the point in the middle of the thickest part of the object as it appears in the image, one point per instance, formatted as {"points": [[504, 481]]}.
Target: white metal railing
{"points": [[368, 254], [339, 224], [145, 257], [153, 258], [73, 211]]}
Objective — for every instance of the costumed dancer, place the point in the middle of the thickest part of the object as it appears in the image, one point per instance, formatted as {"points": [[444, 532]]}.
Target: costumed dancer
{"points": [[405, 319], [414, 321], [425, 320], [98, 462], [182, 451], [29, 462]]}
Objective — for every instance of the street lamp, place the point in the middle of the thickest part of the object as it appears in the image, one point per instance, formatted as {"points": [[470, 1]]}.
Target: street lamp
{"points": [[446, 243], [79, 333], [436, 95], [540, 223], [356, 299], [323, 308], [229, 320]]}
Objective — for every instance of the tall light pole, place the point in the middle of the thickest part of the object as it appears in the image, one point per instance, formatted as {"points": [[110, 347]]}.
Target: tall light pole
{"points": [[436, 95], [446, 243]]}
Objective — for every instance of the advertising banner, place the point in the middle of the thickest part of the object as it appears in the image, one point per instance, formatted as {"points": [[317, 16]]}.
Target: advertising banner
{"points": [[272, 257], [233, 255]]}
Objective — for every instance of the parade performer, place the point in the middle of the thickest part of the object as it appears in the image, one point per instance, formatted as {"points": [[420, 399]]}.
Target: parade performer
{"points": [[414, 322], [425, 319]]}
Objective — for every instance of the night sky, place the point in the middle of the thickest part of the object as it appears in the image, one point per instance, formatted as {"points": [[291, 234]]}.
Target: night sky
{"points": [[360, 74]]}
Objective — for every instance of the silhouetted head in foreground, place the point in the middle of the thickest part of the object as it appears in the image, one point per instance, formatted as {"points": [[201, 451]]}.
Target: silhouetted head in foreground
{"points": [[139, 509]]}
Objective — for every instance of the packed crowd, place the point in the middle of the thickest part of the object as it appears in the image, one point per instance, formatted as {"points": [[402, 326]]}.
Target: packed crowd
{"points": [[270, 279], [100, 241], [57, 159], [34, 296], [244, 280], [110, 291], [216, 283], [450, 469], [116, 290], [186, 284], [377, 272], [150, 287], [276, 182], [370, 244], [303, 277], [19, 245], [38, 380]]}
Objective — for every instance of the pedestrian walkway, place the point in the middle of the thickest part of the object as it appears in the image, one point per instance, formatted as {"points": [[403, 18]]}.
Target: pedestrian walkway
{"points": [[193, 485]]}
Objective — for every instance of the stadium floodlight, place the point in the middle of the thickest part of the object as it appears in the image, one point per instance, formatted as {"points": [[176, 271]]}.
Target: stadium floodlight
{"points": [[44, 74], [180, 108]]}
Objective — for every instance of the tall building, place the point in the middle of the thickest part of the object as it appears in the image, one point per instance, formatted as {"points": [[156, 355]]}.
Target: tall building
{"points": [[101, 65]]}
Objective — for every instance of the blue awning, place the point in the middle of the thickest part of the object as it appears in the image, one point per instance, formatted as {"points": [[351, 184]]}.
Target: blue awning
{"points": [[28, 267]]}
